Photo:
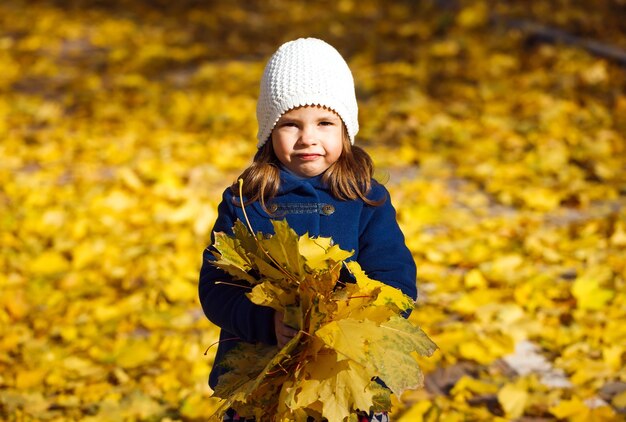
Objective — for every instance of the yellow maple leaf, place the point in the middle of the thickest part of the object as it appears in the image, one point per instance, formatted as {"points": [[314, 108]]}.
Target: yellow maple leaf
{"points": [[570, 408], [267, 293], [320, 252], [619, 400], [180, 289], [513, 398], [385, 348], [474, 278], [386, 295], [134, 353], [612, 356], [589, 294], [25, 379], [50, 262], [475, 15], [336, 384], [473, 385]]}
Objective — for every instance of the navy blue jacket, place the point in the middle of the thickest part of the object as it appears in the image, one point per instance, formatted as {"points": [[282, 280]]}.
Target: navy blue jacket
{"points": [[371, 231]]}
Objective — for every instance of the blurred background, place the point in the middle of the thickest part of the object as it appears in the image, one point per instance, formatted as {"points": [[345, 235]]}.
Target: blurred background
{"points": [[499, 127]]}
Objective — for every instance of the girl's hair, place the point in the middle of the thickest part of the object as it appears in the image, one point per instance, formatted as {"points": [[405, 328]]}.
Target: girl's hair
{"points": [[348, 178]]}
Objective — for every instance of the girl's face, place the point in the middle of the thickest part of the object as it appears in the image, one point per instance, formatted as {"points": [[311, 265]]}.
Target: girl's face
{"points": [[307, 140]]}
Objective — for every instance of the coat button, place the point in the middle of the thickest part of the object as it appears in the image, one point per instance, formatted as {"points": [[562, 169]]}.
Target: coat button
{"points": [[272, 208], [328, 209]]}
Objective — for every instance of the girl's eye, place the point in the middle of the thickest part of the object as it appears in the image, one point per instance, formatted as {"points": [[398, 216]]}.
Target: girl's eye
{"points": [[326, 123]]}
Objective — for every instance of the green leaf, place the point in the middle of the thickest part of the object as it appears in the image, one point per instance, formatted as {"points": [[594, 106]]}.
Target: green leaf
{"points": [[246, 240], [232, 258], [385, 349]]}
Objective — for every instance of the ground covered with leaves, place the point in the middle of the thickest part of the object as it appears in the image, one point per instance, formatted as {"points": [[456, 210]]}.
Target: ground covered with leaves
{"points": [[121, 123]]}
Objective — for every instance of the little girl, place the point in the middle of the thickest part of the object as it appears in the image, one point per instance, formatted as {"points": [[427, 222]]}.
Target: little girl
{"points": [[306, 170]]}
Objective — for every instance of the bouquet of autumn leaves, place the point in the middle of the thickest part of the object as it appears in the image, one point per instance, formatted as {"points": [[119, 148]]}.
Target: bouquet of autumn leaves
{"points": [[349, 333]]}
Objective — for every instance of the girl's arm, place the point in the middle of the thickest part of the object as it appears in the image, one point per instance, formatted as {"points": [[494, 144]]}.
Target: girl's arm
{"points": [[383, 253], [225, 305]]}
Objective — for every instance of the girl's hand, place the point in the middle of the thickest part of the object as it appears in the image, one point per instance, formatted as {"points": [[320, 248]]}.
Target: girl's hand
{"points": [[284, 333]]}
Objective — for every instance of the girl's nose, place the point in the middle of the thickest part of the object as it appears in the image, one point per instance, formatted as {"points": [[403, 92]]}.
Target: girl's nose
{"points": [[308, 136]]}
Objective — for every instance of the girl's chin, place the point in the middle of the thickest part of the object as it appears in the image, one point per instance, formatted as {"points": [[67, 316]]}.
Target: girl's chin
{"points": [[303, 171]]}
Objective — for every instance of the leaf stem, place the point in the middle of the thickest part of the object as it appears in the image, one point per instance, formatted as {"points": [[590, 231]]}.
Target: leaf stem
{"points": [[219, 341], [243, 207], [233, 284]]}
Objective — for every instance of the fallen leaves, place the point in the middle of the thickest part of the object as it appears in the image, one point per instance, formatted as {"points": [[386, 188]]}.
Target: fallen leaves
{"points": [[121, 125]]}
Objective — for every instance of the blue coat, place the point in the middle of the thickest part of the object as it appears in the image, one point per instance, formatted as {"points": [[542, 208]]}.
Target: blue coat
{"points": [[371, 231]]}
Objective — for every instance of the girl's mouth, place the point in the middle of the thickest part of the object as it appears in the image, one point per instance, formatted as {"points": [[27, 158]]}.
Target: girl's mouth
{"points": [[308, 157]]}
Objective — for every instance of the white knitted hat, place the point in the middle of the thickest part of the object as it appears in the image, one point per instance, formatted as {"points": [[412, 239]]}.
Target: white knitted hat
{"points": [[306, 71]]}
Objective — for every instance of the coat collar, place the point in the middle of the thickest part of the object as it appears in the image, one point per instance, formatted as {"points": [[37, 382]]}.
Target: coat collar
{"points": [[290, 182]]}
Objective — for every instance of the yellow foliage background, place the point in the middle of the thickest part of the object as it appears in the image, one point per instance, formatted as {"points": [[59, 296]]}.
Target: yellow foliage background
{"points": [[121, 122]]}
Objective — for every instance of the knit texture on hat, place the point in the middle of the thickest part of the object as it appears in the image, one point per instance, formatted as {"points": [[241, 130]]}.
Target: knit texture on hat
{"points": [[307, 71]]}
